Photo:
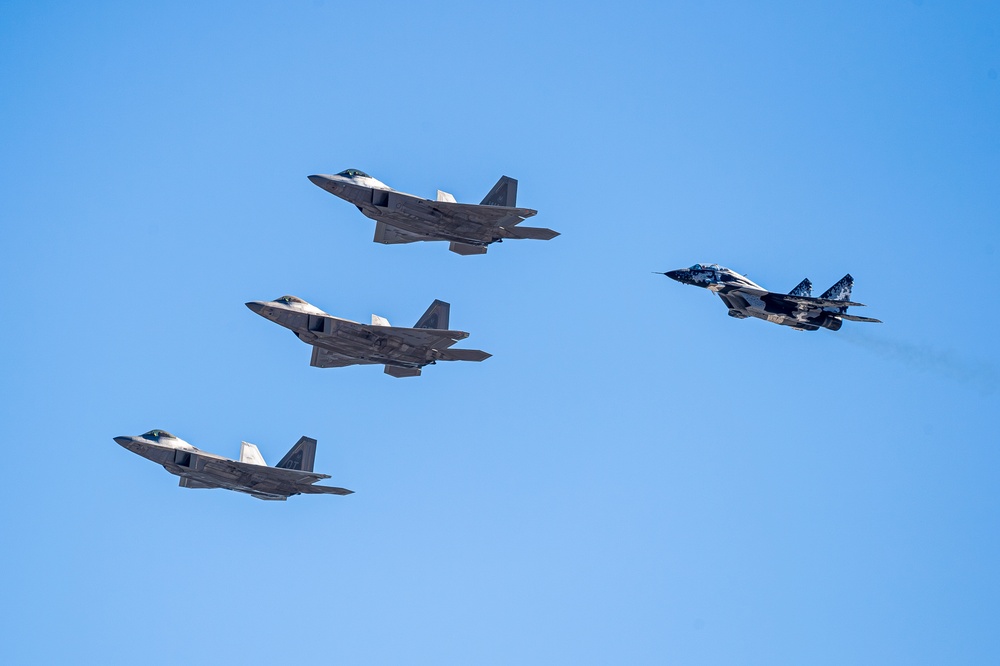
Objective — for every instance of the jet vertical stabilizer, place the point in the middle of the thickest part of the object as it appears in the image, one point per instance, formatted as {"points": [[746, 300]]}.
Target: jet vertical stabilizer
{"points": [[379, 321], [250, 454], [300, 457], [804, 288], [504, 193], [840, 291], [444, 196], [437, 316]]}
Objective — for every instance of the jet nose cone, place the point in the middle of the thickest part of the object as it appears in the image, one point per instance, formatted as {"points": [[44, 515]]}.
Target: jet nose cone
{"points": [[123, 441], [673, 275], [332, 184], [256, 306]]}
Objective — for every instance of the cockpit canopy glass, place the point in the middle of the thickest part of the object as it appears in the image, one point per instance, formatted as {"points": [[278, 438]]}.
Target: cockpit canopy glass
{"points": [[290, 299], [706, 267], [157, 434], [352, 173]]}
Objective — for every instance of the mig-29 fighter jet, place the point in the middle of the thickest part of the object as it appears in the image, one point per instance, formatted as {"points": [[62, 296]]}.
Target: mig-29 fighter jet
{"points": [[250, 474], [405, 218], [340, 342], [797, 308]]}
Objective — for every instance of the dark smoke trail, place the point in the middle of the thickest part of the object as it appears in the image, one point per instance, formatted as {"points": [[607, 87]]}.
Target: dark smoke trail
{"points": [[981, 375]]}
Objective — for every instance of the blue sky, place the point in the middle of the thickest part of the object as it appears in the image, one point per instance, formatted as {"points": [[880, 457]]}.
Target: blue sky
{"points": [[634, 477]]}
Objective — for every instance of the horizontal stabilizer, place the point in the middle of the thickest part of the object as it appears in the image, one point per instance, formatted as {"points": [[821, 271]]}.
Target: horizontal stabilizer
{"points": [[250, 454], [463, 355], [436, 317], [379, 321], [397, 371], [466, 250], [300, 457], [191, 483], [444, 196], [533, 233], [804, 288], [504, 193], [324, 490], [850, 317]]}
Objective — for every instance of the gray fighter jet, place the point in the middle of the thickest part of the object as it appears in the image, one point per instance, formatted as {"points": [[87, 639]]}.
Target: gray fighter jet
{"points": [[340, 342], [797, 308], [250, 474], [405, 218]]}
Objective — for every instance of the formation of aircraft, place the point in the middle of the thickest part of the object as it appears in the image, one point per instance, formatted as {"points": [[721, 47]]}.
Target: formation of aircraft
{"points": [[340, 342], [405, 218], [293, 475], [797, 308], [469, 229]]}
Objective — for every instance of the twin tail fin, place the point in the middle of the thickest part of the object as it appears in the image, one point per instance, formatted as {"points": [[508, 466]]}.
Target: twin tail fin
{"points": [[504, 193], [804, 288], [841, 291], [300, 457], [436, 317]]}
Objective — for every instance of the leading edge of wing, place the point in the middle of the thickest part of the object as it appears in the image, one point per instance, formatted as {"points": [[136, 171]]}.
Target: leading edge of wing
{"points": [[493, 212], [233, 469], [817, 302], [808, 301], [421, 333]]}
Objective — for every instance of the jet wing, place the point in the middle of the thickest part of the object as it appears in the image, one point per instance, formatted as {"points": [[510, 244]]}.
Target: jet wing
{"points": [[233, 471], [187, 482], [810, 302], [801, 302], [390, 235], [495, 216], [421, 337], [324, 358]]}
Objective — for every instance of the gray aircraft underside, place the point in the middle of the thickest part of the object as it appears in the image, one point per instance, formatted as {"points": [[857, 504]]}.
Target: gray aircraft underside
{"points": [[293, 475], [797, 308], [340, 342], [405, 218]]}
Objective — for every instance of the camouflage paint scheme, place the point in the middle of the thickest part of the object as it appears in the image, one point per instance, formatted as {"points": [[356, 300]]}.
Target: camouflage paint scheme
{"points": [[797, 309]]}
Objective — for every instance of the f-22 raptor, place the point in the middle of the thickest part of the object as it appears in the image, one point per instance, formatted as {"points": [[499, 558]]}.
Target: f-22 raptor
{"points": [[293, 475], [405, 218], [340, 342], [797, 308]]}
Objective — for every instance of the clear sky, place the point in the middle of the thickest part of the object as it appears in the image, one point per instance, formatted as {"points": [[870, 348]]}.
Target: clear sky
{"points": [[634, 477]]}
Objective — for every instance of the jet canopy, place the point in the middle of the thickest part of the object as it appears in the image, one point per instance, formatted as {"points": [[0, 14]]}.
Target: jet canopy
{"points": [[157, 434], [353, 173], [290, 299], [706, 267]]}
